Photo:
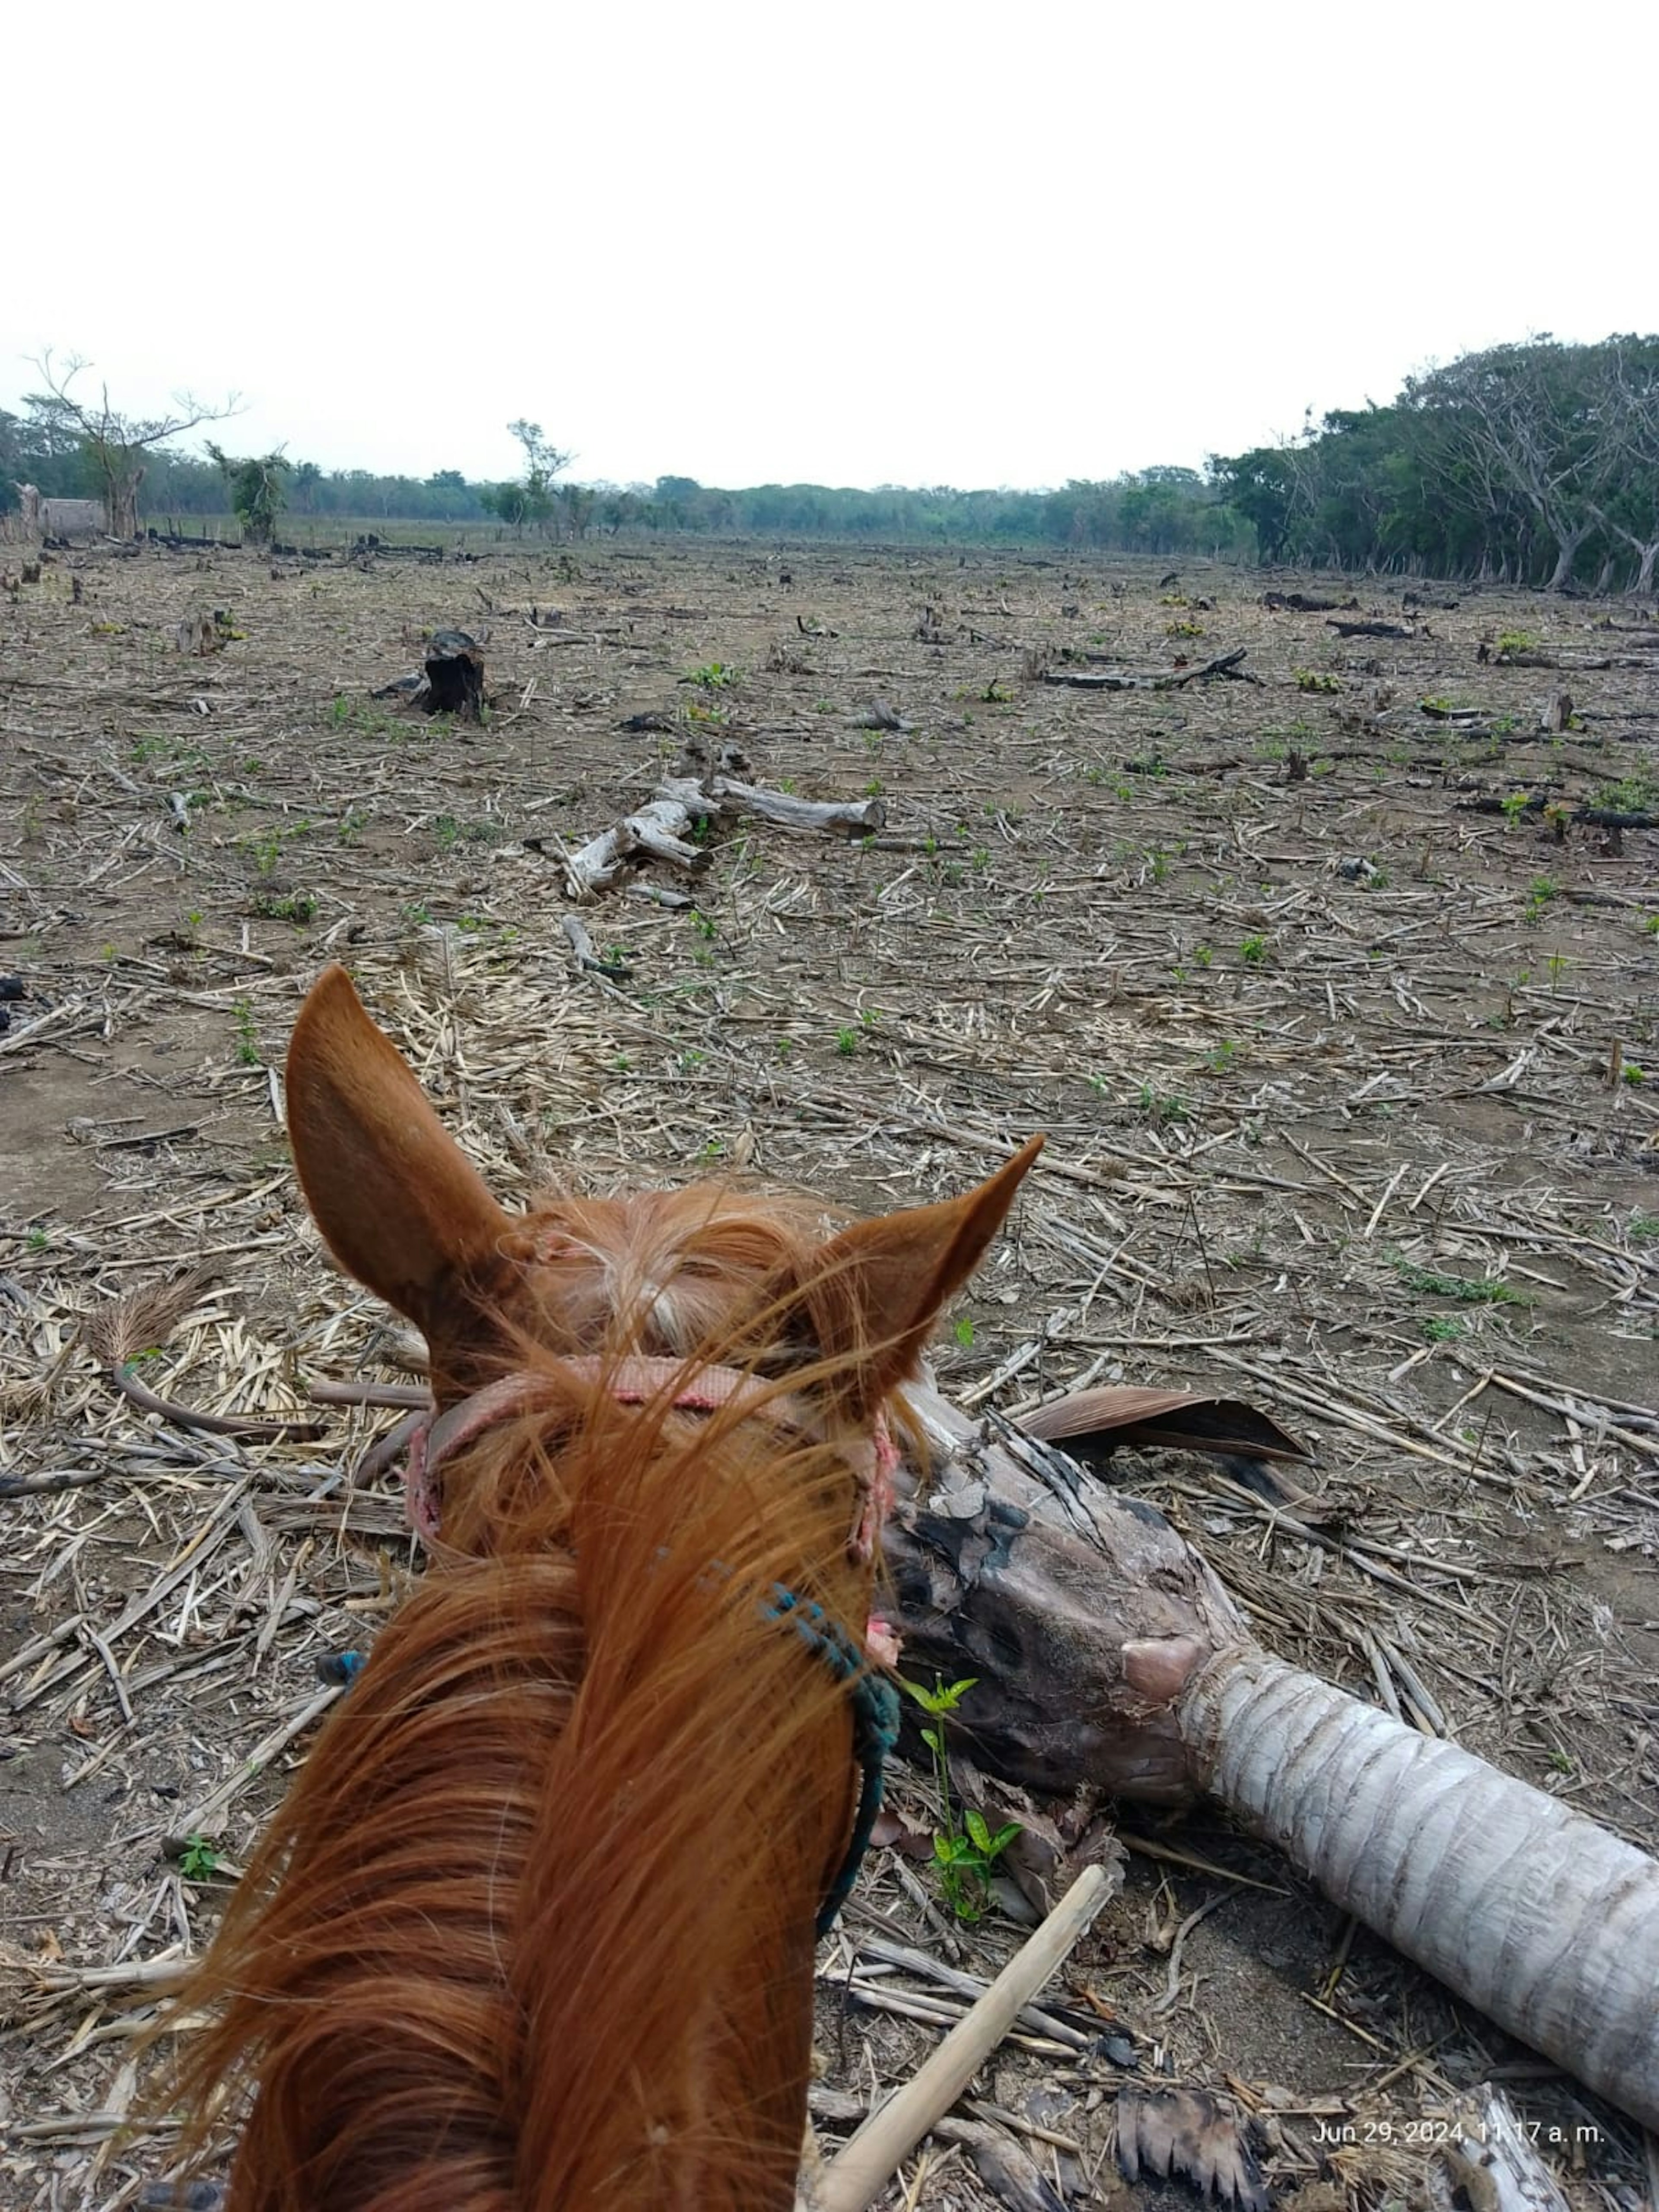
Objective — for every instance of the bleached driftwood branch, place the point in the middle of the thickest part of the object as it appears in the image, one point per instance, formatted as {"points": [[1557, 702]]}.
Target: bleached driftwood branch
{"points": [[662, 830], [723, 794], [656, 831]]}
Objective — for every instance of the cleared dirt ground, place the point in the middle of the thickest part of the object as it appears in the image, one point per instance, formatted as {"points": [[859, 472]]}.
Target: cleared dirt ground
{"points": [[1352, 1094]]}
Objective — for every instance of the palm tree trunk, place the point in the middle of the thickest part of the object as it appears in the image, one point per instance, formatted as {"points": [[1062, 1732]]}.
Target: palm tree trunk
{"points": [[1544, 1921], [1107, 1653]]}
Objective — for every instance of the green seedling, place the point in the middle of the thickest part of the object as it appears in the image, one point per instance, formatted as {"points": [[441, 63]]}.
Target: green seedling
{"points": [[965, 1851], [1463, 1290], [198, 1860]]}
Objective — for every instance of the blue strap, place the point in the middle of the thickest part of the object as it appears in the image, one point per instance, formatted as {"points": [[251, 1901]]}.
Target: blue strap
{"points": [[875, 1728], [876, 1713]]}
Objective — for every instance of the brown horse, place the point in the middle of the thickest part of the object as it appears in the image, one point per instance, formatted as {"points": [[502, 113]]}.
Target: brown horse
{"points": [[535, 1926]]}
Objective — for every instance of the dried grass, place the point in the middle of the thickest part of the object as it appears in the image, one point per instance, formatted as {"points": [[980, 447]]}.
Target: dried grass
{"points": [[1307, 1052]]}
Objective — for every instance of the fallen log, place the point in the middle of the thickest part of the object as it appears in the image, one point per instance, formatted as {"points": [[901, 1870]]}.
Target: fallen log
{"points": [[662, 831], [725, 794], [1370, 630], [1108, 1657], [1156, 679], [1566, 663], [1298, 602], [378, 548], [1539, 803]]}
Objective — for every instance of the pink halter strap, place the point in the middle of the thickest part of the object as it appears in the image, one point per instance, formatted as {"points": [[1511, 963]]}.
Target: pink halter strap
{"points": [[634, 1382]]}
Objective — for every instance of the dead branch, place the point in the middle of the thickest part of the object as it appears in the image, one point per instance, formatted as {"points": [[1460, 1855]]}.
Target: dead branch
{"points": [[587, 954], [860, 817], [144, 1319], [656, 831], [861, 2169], [1158, 679]]}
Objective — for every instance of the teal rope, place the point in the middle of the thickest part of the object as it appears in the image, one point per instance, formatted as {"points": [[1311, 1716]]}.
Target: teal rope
{"points": [[876, 1713], [875, 1727]]}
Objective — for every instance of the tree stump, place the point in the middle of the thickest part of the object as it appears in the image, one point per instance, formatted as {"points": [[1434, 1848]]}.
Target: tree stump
{"points": [[455, 675]]}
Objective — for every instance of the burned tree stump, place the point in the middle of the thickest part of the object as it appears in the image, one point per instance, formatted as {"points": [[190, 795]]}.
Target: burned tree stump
{"points": [[455, 675]]}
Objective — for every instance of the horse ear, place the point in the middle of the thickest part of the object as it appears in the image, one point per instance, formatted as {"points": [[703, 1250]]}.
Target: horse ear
{"points": [[396, 1199], [902, 1269]]}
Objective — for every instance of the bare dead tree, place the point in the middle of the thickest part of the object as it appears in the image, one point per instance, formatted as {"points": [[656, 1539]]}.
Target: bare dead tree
{"points": [[119, 445], [1523, 421], [1628, 401]]}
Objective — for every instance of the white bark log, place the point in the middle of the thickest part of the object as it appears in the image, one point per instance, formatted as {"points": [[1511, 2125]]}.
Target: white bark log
{"points": [[726, 795], [659, 829], [1530, 1912], [1107, 1655]]}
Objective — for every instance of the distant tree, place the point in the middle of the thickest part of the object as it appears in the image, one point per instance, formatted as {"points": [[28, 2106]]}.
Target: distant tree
{"points": [[1525, 420], [509, 500], [308, 476], [578, 502], [1628, 404], [117, 447], [448, 494], [677, 501], [1261, 486], [619, 506], [257, 490], [542, 463]]}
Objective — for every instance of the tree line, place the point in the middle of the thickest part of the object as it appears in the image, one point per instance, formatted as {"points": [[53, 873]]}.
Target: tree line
{"points": [[1534, 464], [1159, 511]]}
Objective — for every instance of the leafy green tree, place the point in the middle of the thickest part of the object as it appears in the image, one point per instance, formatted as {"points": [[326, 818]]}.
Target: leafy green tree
{"points": [[1537, 463], [1261, 487], [543, 463], [509, 500], [257, 489]]}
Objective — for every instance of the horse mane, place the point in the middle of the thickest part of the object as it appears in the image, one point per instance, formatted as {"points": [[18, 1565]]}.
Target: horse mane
{"points": [[482, 1958]]}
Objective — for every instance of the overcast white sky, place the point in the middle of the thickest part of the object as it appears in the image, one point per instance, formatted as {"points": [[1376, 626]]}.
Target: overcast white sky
{"points": [[903, 242]]}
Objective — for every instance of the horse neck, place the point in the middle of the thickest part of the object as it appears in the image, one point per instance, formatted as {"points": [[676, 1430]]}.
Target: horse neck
{"points": [[535, 1929], [705, 1799]]}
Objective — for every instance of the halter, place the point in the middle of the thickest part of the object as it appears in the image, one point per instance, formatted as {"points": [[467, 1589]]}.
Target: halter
{"points": [[634, 1382], [437, 1438]]}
